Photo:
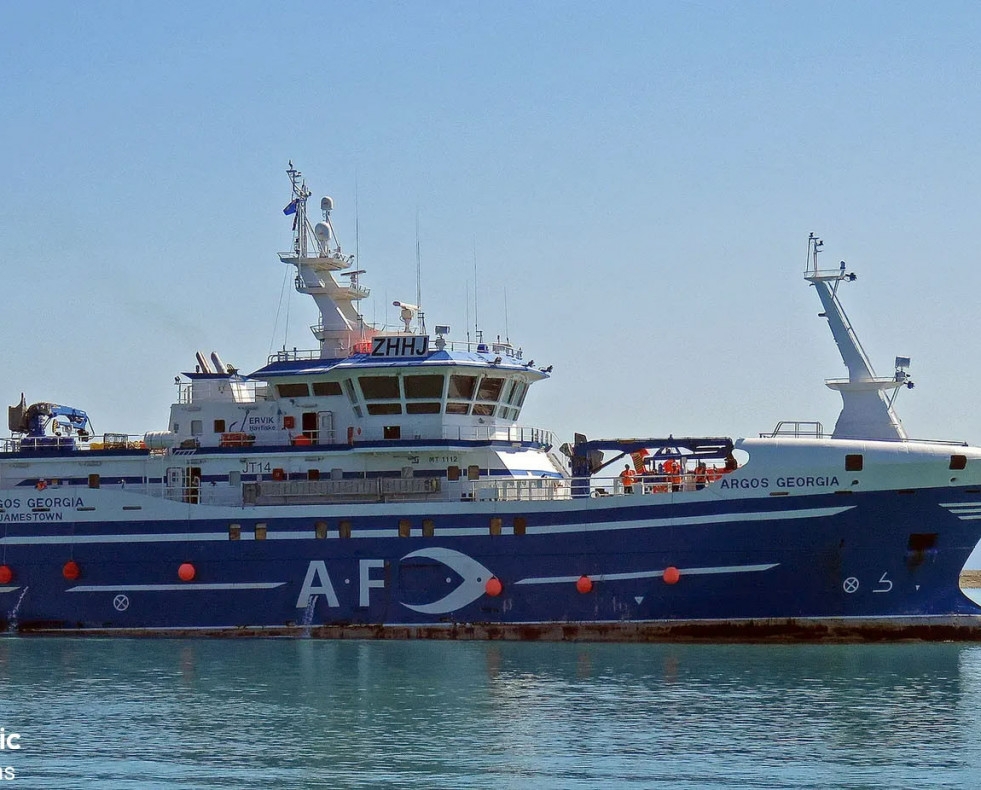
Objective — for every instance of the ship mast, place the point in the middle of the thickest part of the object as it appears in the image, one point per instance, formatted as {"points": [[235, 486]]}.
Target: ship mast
{"points": [[341, 328], [867, 400]]}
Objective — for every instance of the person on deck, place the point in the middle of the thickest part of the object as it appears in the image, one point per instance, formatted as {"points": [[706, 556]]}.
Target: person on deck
{"points": [[627, 479]]}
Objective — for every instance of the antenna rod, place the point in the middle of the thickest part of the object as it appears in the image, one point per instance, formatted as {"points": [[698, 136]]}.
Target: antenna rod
{"points": [[418, 267], [507, 334], [475, 321]]}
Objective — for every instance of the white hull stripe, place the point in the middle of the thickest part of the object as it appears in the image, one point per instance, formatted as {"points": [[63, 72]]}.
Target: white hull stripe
{"points": [[8, 589], [965, 511], [188, 586], [611, 577], [602, 526]]}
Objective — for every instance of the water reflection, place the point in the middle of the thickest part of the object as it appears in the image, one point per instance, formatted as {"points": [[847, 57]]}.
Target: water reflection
{"points": [[401, 714]]}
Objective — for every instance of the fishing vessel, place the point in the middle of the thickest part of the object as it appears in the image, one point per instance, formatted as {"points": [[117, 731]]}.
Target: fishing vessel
{"points": [[383, 485]]}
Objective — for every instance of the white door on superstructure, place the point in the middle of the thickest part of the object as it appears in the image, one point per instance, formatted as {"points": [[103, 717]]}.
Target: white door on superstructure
{"points": [[326, 424]]}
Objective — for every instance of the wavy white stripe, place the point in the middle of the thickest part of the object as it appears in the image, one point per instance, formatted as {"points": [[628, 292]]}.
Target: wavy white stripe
{"points": [[610, 577]]}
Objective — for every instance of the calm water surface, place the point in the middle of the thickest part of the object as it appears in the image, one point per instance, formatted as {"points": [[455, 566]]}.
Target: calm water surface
{"points": [[296, 714]]}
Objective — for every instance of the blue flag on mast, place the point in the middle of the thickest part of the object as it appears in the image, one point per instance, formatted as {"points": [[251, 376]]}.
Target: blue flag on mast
{"points": [[290, 209]]}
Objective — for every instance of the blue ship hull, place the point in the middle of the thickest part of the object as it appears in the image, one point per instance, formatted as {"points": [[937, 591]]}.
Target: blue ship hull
{"points": [[877, 559]]}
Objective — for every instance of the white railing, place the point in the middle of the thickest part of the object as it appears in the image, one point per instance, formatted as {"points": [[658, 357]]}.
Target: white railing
{"points": [[108, 441], [478, 433], [796, 428]]}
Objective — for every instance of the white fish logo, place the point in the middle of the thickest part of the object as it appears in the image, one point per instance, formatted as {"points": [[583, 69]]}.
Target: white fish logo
{"points": [[474, 575]]}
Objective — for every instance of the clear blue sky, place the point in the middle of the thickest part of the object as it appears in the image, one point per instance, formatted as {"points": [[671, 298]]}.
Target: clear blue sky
{"points": [[639, 177]]}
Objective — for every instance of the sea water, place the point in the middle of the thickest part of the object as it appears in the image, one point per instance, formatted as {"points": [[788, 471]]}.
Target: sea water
{"points": [[242, 713]]}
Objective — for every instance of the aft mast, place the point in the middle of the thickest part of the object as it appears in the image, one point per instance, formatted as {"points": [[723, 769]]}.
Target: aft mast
{"points": [[867, 400], [342, 328]]}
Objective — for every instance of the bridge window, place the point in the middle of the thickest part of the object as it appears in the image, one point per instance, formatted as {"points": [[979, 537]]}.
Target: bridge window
{"points": [[519, 394], [490, 388], [423, 386], [293, 390], [325, 388], [379, 387], [457, 408], [462, 387], [384, 408], [422, 408], [219, 426], [349, 389], [483, 409]]}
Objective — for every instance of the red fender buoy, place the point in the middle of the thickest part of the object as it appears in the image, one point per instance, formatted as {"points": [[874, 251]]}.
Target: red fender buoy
{"points": [[6, 574], [186, 572], [70, 570], [671, 575], [493, 587], [584, 584]]}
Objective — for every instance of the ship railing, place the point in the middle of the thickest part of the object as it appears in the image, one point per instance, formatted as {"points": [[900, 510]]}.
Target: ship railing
{"points": [[107, 441], [514, 433], [494, 347], [537, 489], [294, 355], [645, 484], [797, 429], [211, 390]]}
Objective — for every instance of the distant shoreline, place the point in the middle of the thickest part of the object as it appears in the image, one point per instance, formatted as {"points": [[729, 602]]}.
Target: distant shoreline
{"points": [[971, 579]]}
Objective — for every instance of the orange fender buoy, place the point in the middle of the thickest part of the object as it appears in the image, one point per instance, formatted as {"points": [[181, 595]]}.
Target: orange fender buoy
{"points": [[584, 584], [71, 570], [493, 587], [186, 572], [671, 575], [6, 574]]}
